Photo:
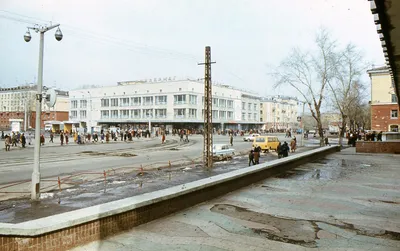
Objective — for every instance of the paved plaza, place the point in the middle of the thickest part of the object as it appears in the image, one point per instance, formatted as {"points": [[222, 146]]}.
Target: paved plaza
{"points": [[346, 201]]}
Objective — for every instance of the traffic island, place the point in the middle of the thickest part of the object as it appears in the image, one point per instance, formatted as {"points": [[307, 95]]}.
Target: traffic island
{"points": [[70, 229]]}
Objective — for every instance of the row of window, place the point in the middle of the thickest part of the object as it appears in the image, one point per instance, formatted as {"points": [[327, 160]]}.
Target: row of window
{"points": [[153, 100], [154, 113], [249, 106], [250, 116]]}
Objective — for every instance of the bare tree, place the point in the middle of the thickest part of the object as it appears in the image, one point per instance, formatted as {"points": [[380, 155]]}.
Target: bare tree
{"points": [[309, 73], [346, 88]]}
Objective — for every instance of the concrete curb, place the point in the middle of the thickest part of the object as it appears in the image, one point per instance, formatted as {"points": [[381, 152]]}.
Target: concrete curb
{"points": [[85, 215]]}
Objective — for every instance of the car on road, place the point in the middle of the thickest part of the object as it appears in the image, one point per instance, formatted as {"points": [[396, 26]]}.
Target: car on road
{"points": [[251, 137], [223, 150]]}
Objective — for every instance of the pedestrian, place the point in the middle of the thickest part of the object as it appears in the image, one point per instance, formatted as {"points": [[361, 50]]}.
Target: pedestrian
{"points": [[285, 149], [62, 138], [326, 141], [66, 138], [293, 145], [14, 140], [23, 140], [29, 138], [163, 138], [42, 139], [7, 142], [51, 137], [102, 138], [379, 136], [2, 134], [279, 150], [256, 156], [122, 136], [251, 157], [231, 139]]}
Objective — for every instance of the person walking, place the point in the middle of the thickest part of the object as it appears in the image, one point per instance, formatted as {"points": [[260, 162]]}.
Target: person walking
{"points": [[279, 150], [23, 140], [7, 142], [163, 138], [14, 140], [66, 138], [256, 156], [251, 157], [293, 145], [41, 139], [51, 137], [285, 149], [231, 139], [62, 138]]}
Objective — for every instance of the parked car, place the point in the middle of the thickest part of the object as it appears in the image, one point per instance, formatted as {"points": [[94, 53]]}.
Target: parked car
{"points": [[251, 137], [223, 150]]}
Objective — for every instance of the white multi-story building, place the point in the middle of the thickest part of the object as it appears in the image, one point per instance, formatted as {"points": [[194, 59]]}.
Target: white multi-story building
{"points": [[279, 112], [169, 104]]}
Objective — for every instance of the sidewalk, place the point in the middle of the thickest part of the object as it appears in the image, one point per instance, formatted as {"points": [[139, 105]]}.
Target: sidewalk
{"points": [[346, 201]]}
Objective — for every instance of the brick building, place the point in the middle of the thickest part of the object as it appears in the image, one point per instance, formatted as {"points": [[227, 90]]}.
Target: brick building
{"points": [[384, 103], [18, 103]]}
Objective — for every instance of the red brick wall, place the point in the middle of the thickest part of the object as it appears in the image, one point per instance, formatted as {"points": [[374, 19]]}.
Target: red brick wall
{"points": [[380, 117], [378, 147], [5, 116]]}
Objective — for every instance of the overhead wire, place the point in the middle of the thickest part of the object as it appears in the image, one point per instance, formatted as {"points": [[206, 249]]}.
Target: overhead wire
{"points": [[107, 39]]}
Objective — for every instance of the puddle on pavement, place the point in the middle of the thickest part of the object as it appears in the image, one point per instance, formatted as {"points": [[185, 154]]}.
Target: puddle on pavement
{"points": [[301, 232]]}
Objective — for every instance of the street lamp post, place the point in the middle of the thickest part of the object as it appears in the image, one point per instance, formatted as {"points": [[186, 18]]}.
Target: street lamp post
{"points": [[35, 189]]}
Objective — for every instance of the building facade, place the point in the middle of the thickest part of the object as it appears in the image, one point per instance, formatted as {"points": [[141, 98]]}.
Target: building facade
{"points": [[279, 112], [384, 104], [17, 104], [170, 104]]}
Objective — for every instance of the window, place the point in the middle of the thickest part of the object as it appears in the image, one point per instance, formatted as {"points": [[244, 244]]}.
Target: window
{"points": [[148, 100], [82, 114], [114, 102], [74, 114], [105, 102], [161, 100], [215, 102], [105, 114], [124, 102], [393, 128], [147, 113], [193, 99], [243, 106], [124, 114], [394, 114], [114, 113], [243, 116], [222, 103], [161, 113], [83, 104], [394, 98], [179, 99], [249, 106], [230, 103], [136, 101], [222, 114], [74, 104], [192, 113], [255, 107], [249, 116], [255, 116], [135, 113], [230, 115], [179, 113], [214, 114]]}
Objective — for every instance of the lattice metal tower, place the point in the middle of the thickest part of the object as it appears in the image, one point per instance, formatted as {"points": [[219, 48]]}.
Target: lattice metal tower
{"points": [[208, 128]]}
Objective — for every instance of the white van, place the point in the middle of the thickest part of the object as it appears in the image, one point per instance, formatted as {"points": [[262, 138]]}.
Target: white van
{"points": [[223, 150]]}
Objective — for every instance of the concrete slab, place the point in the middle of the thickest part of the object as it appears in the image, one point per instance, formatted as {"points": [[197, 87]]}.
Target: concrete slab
{"points": [[347, 201]]}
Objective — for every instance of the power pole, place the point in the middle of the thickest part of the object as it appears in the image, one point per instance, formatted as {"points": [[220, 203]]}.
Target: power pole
{"points": [[208, 128]]}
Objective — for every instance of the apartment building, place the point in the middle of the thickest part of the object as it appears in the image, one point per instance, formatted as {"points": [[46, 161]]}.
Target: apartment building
{"points": [[384, 104], [163, 103], [17, 105], [279, 112]]}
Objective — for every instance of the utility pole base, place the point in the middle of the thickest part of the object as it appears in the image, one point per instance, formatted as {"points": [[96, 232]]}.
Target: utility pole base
{"points": [[35, 189]]}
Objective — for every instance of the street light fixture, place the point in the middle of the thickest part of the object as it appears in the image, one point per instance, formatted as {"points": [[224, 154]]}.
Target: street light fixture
{"points": [[35, 189]]}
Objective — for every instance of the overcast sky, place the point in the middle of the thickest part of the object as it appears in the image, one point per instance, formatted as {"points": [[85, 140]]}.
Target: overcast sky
{"points": [[109, 41]]}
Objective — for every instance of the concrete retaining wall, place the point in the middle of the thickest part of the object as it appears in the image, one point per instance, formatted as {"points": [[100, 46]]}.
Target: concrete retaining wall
{"points": [[378, 147], [67, 230]]}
